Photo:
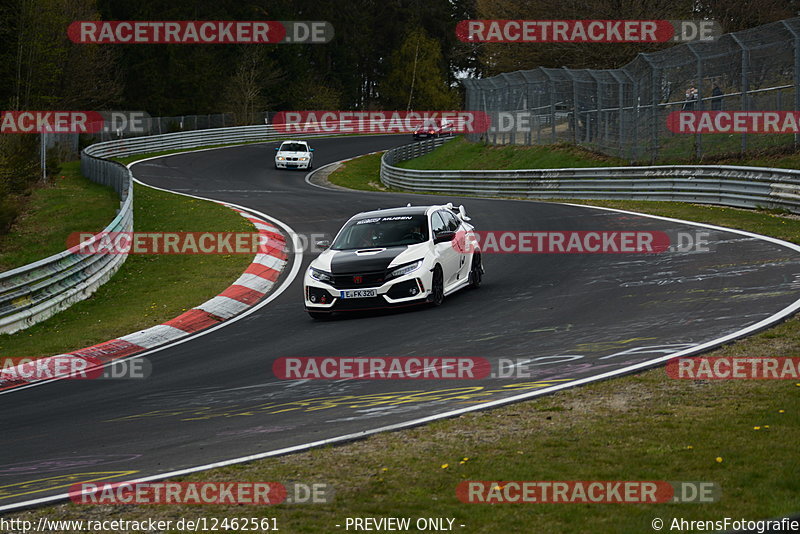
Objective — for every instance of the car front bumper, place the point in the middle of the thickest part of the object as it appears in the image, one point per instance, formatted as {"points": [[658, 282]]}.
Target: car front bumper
{"points": [[292, 164], [408, 290]]}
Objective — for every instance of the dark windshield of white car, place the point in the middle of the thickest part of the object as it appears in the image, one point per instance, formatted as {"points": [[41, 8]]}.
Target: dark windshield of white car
{"points": [[293, 147], [389, 231]]}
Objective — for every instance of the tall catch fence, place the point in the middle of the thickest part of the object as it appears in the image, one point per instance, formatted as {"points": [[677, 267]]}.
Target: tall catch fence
{"points": [[623, 112]]}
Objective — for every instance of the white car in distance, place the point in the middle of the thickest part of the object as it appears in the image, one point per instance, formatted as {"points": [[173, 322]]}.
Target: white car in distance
{"points": [[294, 155]]}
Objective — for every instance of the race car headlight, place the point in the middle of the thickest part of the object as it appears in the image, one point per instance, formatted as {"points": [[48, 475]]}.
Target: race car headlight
{"points": [[303, 159], [404, 269], [321, 276], [280, 158]]}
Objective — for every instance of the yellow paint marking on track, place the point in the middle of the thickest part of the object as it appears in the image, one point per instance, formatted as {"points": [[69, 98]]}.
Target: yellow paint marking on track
{"points": [[372, 400], [59, 481]]}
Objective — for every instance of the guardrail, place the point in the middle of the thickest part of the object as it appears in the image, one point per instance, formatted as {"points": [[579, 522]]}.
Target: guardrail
{"points": [[725, 185], [191, 139], [34, 292], [198, 138]]}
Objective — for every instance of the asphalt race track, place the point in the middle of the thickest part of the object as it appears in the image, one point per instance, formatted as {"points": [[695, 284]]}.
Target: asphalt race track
{"points": [[214, 397]]}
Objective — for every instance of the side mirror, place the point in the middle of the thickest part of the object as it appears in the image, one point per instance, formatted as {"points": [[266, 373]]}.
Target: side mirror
{"points": [[277, 148], [444, 237], [311, 150], [324, 244]]}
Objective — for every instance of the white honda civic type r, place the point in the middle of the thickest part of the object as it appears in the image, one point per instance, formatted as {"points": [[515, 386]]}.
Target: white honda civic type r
{"points": [[394, 257]]}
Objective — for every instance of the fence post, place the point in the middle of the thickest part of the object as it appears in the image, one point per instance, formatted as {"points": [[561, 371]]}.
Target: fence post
{"points": [[634, 152], [654, 85], [620, 114], [598, 97], [698, 138], [574, 105], [551, 93], [745, 82], [795, 75]]}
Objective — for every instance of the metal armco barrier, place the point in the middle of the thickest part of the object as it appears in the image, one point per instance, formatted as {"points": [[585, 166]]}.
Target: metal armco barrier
{"points": [[197, 138], [741, 187], [34, 292]]}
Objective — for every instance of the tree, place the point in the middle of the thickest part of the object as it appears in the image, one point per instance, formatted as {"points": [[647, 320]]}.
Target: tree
{"points": [[417, 77], [495, 58], [45, 69], [245, 92]]}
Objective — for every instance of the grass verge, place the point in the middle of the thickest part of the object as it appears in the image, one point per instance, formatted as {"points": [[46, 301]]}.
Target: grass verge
{"points": [[71, 204], [461, 154], [147, 290], [361, 173], [740, 434]]}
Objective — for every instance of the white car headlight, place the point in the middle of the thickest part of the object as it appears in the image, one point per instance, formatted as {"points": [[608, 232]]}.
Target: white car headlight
{"points": [[321, 276], [303, 159], [280, 158], [404, 269]]}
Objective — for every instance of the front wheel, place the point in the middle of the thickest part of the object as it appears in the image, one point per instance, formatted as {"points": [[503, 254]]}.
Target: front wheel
{"points": [[437, 287], [476, 272]]}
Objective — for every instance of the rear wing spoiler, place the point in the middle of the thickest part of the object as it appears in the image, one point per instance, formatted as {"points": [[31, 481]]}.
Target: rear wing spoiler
{"points": [[461, 211]]}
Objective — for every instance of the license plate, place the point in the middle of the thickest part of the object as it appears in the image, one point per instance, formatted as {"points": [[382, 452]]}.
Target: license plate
{"points": [[359, 293]]}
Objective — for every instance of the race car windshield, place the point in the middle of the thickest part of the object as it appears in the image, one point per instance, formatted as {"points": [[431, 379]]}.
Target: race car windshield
{"points": [[293, 147], [379, 232]]}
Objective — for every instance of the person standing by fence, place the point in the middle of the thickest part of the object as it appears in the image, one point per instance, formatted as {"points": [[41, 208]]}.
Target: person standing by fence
{"points": [[716, 98]]}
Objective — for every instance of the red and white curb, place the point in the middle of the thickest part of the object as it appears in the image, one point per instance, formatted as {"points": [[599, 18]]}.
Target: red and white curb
{"points": [[252, 286]]}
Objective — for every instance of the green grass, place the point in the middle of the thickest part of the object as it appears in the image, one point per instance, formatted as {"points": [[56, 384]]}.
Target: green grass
{"points": [[681, 147], [148, 289], [758, 221], [779, 160], [71, 204], [360, 173], [461, 154]]}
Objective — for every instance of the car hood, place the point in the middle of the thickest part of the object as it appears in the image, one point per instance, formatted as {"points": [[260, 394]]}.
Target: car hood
{"points": [[292, 154], [367, 259]]}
